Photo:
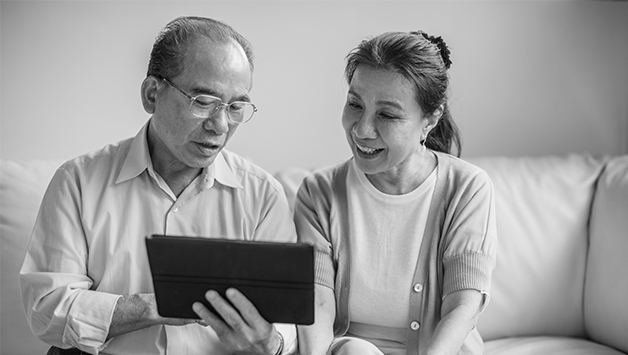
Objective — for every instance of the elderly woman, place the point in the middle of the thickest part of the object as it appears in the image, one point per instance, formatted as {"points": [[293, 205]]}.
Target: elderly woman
{"points": [[404, 232]]}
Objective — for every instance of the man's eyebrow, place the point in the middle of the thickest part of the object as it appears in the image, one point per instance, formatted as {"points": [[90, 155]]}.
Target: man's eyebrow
{"points": [[211, 92]]}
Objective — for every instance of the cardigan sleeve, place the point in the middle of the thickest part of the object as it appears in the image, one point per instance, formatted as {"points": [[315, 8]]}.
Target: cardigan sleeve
{"points": [[470, 236], [312, 221]]}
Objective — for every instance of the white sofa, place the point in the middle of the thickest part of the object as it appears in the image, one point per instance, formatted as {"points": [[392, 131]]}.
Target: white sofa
{"points": [[561, 282]]}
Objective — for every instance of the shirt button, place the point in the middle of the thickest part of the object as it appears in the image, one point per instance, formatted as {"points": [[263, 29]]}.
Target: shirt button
{"points": [[418, 288], [415, 325]]}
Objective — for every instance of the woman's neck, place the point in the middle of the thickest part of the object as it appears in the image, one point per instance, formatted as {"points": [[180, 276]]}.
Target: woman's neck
{"points": [[405, 178]]}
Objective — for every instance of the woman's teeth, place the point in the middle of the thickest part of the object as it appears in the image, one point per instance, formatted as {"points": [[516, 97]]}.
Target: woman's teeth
{"points": [[366, 149]]}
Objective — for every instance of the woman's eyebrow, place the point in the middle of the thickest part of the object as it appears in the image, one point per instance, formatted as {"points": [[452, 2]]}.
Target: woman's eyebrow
{"points": [[379, 102]]}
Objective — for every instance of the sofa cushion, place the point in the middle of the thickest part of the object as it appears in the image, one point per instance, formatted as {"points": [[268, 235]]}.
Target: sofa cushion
{"points": [[291, 179], [22, 185], [542, 208], [606, 289], [546, 346]]}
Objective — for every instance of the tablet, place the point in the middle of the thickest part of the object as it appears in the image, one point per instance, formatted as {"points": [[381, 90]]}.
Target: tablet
{"points": [[278, 278]]}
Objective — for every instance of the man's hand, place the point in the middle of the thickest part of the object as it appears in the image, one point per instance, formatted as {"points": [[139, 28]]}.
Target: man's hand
{"points": [[243, 330]]}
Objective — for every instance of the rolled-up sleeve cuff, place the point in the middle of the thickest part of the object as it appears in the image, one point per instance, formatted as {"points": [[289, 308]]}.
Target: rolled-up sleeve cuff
{"points": [[89, 320]]}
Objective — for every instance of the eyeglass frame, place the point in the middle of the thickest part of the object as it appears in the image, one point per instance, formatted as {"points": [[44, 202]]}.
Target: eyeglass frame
{"points": [[218, 107]]}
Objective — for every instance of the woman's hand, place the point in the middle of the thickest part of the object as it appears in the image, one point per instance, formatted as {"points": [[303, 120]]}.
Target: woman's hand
{"points": [[242, 330]]}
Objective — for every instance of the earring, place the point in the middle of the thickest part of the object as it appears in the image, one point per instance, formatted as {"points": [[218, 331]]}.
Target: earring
{"points": [[427, 132]]}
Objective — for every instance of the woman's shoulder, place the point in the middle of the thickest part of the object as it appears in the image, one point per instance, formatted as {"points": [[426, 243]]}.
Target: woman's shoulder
{"points": [[329, 175], [461, 170]]}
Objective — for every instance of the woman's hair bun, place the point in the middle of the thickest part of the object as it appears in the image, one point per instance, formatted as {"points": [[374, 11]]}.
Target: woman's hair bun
{"points": [[442, 47]]}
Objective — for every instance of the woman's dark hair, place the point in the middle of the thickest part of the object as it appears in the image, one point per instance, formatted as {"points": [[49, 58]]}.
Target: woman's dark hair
{"points": [[166, 58], [422, 59]]}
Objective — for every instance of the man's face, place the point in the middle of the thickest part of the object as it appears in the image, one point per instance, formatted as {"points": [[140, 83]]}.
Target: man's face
{"points": [[218, 69]]}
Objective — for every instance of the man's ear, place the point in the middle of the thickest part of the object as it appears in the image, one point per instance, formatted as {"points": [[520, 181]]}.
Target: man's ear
{"points": [[149, 93]]}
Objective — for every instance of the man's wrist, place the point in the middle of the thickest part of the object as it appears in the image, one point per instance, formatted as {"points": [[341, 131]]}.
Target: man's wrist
{"points": [[280, 348]]}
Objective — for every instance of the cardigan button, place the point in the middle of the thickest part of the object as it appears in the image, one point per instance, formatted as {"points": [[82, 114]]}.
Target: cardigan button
{"points": [[418, 288], [415, 325]]}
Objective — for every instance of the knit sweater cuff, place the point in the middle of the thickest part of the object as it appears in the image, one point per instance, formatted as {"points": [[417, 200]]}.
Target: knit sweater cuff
{"points": [[468, 271], [324, 271]]}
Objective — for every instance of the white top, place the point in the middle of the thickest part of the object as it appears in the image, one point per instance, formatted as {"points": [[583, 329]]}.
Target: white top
{"points": [[386, 236]]}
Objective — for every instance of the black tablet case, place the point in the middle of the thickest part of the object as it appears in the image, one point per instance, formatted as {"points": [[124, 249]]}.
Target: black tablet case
{"points": [[278, 278]]}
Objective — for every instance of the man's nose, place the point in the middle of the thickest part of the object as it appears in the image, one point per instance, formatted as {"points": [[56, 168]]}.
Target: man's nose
{"points": [[218, 121]]}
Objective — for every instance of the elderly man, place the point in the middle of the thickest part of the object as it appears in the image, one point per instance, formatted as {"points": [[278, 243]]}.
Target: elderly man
{"points": [[86, 283]]}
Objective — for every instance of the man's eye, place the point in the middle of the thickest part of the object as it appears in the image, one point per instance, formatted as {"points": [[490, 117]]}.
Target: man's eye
{"points": [[205, 101], [237, 106]]}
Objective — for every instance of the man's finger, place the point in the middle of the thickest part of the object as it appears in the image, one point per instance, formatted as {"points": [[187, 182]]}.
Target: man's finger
{"points": [[230, 315], [248, 311], [209, 318]]}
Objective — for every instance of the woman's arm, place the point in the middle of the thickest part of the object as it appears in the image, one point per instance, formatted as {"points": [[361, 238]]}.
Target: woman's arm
{"points": [[315, 339], [459, 313]]}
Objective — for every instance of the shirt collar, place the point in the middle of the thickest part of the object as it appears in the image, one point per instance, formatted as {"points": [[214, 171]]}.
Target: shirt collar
{"points": [[221, 172], [138, 160], [138, 157]]}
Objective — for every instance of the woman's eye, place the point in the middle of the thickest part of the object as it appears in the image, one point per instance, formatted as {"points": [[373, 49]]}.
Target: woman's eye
{"points": [[386, 116], [354, 106]]}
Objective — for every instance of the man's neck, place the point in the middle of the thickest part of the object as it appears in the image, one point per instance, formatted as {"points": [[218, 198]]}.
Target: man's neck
{"points": [[177, 175]]}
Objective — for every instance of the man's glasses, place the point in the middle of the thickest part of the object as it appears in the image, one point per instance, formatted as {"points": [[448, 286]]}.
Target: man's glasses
{"points": [[203, 106]]}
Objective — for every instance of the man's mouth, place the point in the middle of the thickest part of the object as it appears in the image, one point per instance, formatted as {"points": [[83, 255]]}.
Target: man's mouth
{"points": [[208, 146]]}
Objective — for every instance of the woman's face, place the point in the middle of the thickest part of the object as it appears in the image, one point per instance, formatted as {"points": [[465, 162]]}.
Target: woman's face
{"points": [[383, 122]]}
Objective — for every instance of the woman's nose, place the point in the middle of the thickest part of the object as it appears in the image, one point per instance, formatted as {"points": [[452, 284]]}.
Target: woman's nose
{"points": [[364, 128]]}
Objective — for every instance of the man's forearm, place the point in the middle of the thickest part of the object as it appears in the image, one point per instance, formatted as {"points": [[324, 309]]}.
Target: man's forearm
{"points": [[133, 312], [139, 311]]}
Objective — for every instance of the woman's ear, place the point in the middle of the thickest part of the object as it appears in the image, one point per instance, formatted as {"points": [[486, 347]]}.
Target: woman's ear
{"points": [[432, 119], [149, 93]]}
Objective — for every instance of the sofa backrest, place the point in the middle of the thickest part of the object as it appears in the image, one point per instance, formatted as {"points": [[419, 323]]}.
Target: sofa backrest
{"points": [[22, 186], [606, 286], [542, 207]]}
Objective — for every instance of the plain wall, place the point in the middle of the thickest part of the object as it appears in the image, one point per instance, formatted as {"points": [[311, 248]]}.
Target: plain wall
{"points": [[528, 78]]}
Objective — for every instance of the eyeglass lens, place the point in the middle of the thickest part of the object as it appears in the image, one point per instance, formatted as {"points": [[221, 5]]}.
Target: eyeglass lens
{"points": [[239, 111]]}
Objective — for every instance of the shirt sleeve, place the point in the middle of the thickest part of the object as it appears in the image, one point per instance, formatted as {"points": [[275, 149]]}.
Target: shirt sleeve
{"points": [[311, 218], [471, 238], [61, 310], [275, 224]]}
